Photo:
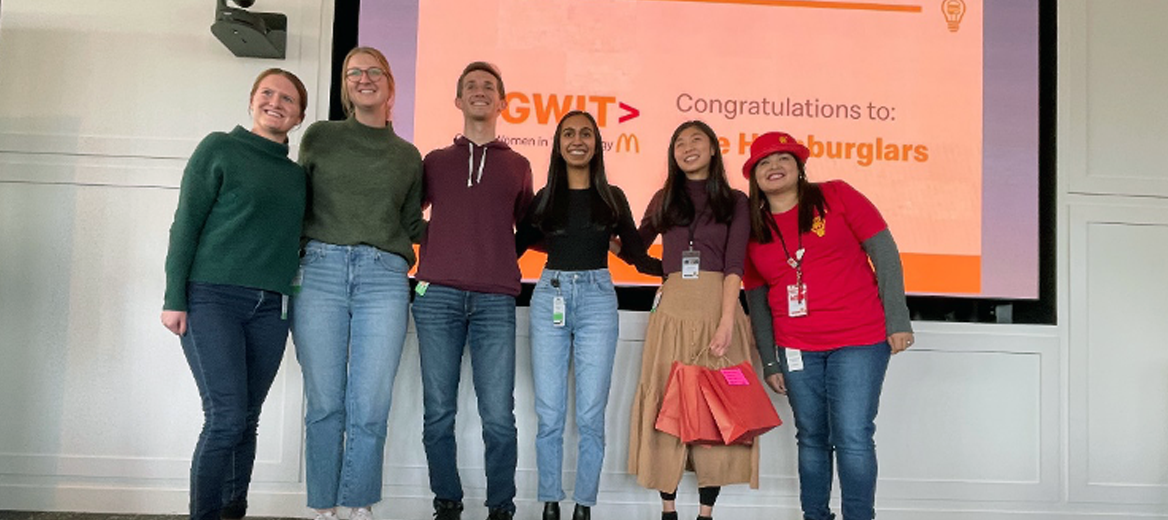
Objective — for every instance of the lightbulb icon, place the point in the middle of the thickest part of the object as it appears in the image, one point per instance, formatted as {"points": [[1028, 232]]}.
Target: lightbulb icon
{"points": [[953, 10]]}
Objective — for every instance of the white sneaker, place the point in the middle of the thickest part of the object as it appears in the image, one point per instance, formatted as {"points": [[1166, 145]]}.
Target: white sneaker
{"points": [[326, 515], [361, 513]]}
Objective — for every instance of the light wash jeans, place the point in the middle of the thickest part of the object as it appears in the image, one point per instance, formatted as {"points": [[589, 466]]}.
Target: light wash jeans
{"points": [[834, 399], [348, 324], [447, 320], [587, 340]]}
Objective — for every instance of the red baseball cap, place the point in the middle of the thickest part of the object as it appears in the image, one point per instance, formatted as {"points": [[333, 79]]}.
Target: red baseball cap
{"points": [[771, 143]]}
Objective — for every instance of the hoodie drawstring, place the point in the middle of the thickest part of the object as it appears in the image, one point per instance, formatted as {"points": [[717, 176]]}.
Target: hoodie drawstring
{"points": [[470, 166]]}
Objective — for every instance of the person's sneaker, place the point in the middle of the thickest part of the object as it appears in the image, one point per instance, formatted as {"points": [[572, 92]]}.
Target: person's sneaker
{"points": [[500, 514], [326, 515], [447, 510], [361, 513]]}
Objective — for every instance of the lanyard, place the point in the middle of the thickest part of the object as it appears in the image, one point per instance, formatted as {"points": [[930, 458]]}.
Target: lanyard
{"points": [[693, 225], [795, 262]]}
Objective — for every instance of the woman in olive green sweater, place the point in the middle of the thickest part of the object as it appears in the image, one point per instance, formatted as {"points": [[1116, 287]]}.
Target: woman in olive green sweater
{"points": [[232, 256], [349, 317]]}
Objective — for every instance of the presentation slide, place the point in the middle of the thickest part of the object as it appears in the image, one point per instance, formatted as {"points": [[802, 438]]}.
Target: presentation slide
{"points": [[928, 108]]}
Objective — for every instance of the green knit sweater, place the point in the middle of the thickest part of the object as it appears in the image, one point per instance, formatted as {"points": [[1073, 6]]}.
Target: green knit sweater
{"points": [[238, 220], [365, 187]]}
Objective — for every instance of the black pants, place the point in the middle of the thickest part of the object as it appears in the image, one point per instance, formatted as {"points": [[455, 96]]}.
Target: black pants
{"points": [[706, 495]]}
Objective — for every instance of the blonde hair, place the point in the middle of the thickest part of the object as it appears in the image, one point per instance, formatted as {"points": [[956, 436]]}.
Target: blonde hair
{"points": [[381, 62]]}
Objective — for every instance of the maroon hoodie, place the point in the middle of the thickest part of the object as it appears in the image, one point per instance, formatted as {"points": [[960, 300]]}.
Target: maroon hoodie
{"points": [[476, 195]]}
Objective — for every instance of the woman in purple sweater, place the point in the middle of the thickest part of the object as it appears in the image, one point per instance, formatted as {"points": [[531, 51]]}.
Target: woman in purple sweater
{"points": [[704, 226]]}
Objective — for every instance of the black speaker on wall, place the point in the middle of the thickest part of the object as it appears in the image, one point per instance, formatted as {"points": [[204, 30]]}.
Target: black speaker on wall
{"points": [[250, 34]]}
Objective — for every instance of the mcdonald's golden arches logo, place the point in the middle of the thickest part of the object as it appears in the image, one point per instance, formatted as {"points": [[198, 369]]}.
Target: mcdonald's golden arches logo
{"points": [[630, 143]]}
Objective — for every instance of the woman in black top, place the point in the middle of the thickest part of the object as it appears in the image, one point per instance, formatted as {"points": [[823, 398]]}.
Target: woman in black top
{"points": [[573, 308]]}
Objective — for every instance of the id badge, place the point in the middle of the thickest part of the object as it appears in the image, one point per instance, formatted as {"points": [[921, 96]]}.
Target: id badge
{"points": [[794, 360], [797, 300], [421, 288], [656, 300], [283, 307], [298, 280], [690, 262], [558, 311]]}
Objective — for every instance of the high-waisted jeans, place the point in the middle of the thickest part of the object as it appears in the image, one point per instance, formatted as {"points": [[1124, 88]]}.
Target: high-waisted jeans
{"points": [[349, 324], [587, 342]]}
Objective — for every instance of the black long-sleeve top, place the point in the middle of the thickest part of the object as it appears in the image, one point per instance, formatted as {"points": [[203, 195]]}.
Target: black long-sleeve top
{"points": [[583, 244]]}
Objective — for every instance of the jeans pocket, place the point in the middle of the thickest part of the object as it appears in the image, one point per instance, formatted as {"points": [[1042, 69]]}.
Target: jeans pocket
{"points": [[604, 285], [392, 262]]}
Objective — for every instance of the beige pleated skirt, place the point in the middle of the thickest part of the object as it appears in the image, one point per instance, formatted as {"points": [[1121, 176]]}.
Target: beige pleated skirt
{"points": [[681, 327]]}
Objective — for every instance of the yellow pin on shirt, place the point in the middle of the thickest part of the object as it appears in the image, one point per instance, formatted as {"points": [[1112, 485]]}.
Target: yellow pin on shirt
{"points": [[818, 226]]}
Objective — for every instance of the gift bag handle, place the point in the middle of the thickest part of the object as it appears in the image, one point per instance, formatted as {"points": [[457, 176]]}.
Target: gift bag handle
{"points": [[721, 361]]}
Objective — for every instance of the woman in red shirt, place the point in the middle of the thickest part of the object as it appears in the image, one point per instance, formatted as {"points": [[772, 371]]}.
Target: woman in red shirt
{"points": [[814, 296]]}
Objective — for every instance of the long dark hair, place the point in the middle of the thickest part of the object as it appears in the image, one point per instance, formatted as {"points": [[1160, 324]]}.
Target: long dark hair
{"points": [[551, 211], [677, 209], [811, 203]]}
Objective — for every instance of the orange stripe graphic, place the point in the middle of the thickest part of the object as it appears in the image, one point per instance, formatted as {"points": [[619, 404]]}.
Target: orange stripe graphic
{"points": [[923, 273], [852, 6]]}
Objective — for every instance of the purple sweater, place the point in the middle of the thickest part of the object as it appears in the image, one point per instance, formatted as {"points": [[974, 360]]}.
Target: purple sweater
{"points": [[722, 246], [476, 194]]}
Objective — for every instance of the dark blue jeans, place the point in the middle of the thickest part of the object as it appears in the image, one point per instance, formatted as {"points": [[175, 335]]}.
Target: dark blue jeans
{"points": [[835, 398], [234, 344], [447, 319]]}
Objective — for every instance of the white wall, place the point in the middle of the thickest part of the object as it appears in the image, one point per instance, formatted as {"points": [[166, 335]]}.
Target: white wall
{"points": [[101, 101]]}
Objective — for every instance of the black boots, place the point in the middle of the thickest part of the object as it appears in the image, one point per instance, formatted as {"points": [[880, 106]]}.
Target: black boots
{"points": [[551, 511], [582, 513]]}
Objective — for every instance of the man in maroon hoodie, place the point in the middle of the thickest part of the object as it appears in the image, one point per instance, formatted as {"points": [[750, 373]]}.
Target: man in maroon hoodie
{"points": [[477, 189]]}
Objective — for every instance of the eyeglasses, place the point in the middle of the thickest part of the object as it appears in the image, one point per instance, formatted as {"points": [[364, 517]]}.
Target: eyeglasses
{"points": [[353, 75]]}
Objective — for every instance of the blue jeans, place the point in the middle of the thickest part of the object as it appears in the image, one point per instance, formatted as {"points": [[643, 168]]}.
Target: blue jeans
{"points": [[447, 319], [834, 398], [234, 343], [587, 340], [348, 324]]}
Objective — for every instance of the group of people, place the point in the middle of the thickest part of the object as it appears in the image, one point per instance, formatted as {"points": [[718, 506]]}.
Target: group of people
{"points": [[262, 245]]}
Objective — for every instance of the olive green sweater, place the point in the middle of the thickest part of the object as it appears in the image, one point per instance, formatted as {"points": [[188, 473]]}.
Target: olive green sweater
{"points": [[238, 220], [365, 187]]}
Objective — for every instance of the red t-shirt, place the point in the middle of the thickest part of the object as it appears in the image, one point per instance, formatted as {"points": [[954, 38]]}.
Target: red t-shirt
{"points": [[843, 302]]}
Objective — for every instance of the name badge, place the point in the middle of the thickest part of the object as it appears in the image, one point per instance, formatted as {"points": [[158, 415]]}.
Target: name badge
{"points": [[558, 311], [797, 300], [298, 280], [794, 359], [691, 261], [421, 288]]}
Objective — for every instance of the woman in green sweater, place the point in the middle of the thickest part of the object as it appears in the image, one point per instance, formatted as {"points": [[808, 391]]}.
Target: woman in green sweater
{"points": [[232, 256], [349, 317]]}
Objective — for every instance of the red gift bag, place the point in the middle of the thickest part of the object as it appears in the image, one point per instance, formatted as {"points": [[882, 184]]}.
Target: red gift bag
{"points": [[669, 416], [684, 412], [698, 425], [740, 405]]}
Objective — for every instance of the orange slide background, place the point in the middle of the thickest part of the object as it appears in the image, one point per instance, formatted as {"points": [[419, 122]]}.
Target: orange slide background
{"points": [[659, 56]]}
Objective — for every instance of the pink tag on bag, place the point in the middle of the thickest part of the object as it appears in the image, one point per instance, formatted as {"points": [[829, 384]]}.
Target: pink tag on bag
{"points": [[734, 377]]}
